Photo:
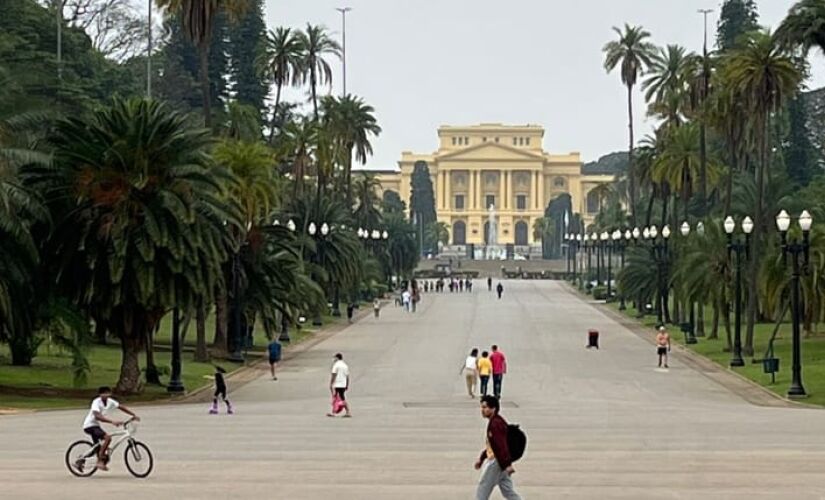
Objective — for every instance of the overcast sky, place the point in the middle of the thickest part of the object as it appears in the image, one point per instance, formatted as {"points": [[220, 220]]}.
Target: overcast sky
{"points": [[424, 63]]}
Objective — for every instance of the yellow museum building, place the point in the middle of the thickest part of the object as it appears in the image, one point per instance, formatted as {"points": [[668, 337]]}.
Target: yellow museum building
{"points": [[503, 166]]}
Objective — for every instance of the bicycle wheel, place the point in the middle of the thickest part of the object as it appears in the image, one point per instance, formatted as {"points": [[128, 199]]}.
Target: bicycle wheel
{"points": [[81, 458], [139, 459]]}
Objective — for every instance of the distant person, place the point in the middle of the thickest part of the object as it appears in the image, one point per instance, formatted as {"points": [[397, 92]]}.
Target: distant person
{"points": [[485, 369], [495, 462], [405, 299], [470, 372], [469, 285], [274, 349], [499, 290], [499, 362], [220, 390], [662, 345], [489, 284], [460, 285], [339, 382], [101, 405], [376, 307], [350, 311]]}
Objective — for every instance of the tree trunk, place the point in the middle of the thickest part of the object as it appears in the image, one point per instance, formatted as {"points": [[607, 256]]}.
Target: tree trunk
{"points": [[700, 318], [714, 332], [649, 216], [152, 373], [703, 166], [100, 332], [221, 322], [313, 83], [726, 318], [274, 114], [349, 176], [135, 330], [631, 172], [753, 279], [734, 165], [201, 353], [203, 55]]}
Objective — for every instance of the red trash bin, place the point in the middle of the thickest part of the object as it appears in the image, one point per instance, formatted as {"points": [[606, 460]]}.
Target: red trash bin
{"points": [[592, 338]]}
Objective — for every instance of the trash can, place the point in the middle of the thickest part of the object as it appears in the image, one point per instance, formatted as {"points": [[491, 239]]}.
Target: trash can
{"points": [[770, 365], [592, 338]]}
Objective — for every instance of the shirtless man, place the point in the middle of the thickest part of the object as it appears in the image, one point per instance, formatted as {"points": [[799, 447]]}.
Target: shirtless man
{"points": [[662, 345]]}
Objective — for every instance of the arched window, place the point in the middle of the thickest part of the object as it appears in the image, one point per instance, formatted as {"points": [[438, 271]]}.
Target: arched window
{"points": [[558, 182], [521, 233], [593, 201], [459, 233]]}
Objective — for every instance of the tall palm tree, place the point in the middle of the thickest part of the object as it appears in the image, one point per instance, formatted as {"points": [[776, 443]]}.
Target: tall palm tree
{"points": [[198, 20], [666, 73], [367, 213], [315, 45], [763, 76], [301, 138], [698, 75], [142, 218], [352, 122], [281, 63], [634, 53], [804, 26]]}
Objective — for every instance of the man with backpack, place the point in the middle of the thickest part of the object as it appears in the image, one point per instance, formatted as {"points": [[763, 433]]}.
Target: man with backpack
{"points": [[505, 444]]}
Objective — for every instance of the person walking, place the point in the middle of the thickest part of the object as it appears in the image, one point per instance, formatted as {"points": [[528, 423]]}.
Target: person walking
{"points": [[405, 300], [470, 372], [499, 290], [460, 285], [495, 462], [489, 283], [220, 390], [376, 307], [339, 382], [499, 362], [350, 311], [485, 369], [274, 350], [662, 345]]}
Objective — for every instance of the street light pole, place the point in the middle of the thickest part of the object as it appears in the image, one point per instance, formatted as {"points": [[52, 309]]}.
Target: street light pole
{"points": [[149, 52], [783, 222], [738, 248], [343, 11]]}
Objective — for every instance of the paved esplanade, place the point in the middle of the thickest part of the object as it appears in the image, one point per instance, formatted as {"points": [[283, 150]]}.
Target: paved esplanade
{"points": [[600, 424]]}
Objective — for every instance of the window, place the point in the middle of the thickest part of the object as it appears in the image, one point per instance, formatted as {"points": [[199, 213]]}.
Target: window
{"points": [[496, 140], [558, 182], [454, 141], [593, 202], [459, 202], [515, 141], [484, 139], [521, 202], [466, 141], [489, 200], [521, 141], [527, 141]]}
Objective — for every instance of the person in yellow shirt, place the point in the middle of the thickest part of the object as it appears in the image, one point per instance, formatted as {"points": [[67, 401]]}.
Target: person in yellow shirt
{"points": [[485, 369]]}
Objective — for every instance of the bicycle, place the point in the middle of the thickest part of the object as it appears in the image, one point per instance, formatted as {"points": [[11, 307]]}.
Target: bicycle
{"points": [[81, 457]]}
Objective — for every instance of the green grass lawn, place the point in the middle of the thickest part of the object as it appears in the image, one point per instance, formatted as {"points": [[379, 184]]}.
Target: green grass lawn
{"points": [[48, 383], [813, 354]]}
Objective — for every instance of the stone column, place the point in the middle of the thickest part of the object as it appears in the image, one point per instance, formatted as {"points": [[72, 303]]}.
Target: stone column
{"points": [[541, 201], [448, 204], [501, 179], [471, 191], [509, 190]]}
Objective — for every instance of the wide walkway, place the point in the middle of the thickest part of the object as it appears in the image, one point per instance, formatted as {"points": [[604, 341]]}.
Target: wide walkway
{"points": [[601, 424]]}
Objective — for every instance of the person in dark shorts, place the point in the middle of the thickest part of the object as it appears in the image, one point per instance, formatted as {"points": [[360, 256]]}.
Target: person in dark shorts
{"points": [[274, 350], [339, 382], [220, 390], [101, 405], [662, 345]]}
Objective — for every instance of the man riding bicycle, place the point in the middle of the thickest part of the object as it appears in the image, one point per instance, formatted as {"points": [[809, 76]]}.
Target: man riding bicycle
{"points": [[97, 414]]}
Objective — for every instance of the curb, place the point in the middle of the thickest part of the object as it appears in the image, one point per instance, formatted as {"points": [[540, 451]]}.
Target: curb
{"points": [[736, 383]]}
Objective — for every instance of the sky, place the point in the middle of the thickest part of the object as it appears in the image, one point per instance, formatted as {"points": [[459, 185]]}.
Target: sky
{"points": [[426, 63]]}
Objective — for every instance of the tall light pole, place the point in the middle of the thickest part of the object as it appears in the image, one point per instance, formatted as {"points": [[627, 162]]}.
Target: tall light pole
{"points": [[343, 11], [705, 13], [149, 50]]}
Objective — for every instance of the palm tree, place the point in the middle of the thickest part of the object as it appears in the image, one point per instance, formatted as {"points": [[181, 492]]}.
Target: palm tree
{"points": [[282, 65], [804, 26], [301, 138], [666, 73], [543, 230], [437, 232], [198, 20], [634, 54], [315, 44], [763, 77], [142, 218], [352, 122], [603, 191], [698, 75], [366, 188]]}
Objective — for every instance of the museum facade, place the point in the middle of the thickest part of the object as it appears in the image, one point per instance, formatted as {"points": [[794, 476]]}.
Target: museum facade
{"points": [[493, 178]]}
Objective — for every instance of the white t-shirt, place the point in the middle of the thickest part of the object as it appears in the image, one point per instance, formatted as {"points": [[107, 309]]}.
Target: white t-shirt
{"points": [[341, 372], [405, 296], [471, 363], [98, 406]]}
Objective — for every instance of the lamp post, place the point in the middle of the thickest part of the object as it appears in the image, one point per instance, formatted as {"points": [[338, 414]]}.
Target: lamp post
{"points": [[596, 239], [739, 248], [567, 255], [660, 254], [284, 335], [319, 239], [622, 242], [175, 383], [604, 240], [343, 11], [577, 241], [795, 250], [588, 247], [615, 242]]}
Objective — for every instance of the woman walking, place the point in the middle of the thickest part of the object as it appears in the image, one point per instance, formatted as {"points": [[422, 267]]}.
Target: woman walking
{"points": [[470, 372], [485, 369]]}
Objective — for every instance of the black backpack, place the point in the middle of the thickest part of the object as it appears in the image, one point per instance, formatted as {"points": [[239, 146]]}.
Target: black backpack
{"points": [[516, 441]]}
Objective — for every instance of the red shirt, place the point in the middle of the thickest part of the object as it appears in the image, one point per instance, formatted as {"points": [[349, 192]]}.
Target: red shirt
{"points": [[499, 363]]}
